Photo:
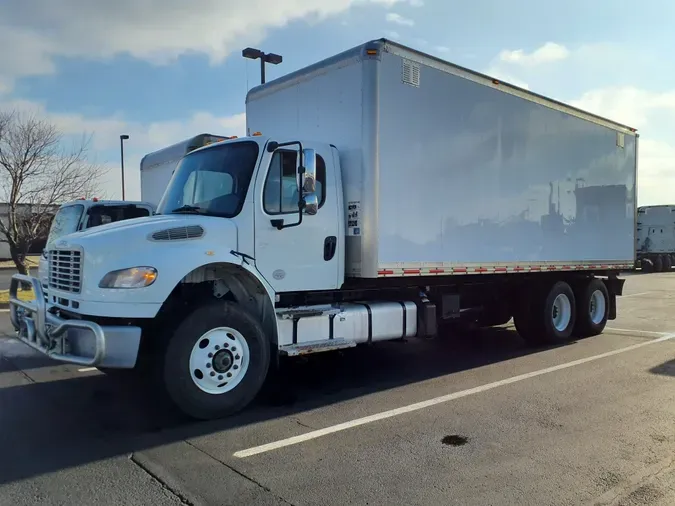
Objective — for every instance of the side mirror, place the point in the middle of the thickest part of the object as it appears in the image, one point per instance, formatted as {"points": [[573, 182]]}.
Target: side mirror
{"points": [[311, 204], [309, 177], [309, 183]]}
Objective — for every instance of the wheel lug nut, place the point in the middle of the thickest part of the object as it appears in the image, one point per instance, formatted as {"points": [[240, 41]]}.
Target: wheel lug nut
{"points": [[213, 373], [235, 366], [229, 374], [226, 345], [220, 377], [234, 349], [217, 347], [208, 366], [236, 357]]}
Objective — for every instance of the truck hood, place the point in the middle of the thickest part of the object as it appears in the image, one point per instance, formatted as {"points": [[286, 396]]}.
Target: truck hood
{"points": [[172, 244], [145, 225]]}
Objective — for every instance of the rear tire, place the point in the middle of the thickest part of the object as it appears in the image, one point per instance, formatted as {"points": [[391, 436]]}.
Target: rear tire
{"points": [[667, 263], [592, 308], [647, 265], [548, 315], [658, 263], [216, 361]]}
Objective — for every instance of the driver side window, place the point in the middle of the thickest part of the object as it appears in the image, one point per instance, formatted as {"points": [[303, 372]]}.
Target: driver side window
{"points": [[281, 192]]}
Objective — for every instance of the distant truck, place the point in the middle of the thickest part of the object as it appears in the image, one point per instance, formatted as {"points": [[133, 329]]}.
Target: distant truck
{"points": [[656, 238], [158, 166], [81, 214], [380, 193]]}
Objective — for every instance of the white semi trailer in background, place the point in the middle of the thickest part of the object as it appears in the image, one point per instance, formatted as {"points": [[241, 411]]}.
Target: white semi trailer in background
{"points": [[380, 192], [656, 238], [157, 167]]}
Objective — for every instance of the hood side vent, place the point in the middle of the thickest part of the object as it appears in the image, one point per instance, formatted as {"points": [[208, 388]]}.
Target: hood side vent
{"points": [[179, 233]]}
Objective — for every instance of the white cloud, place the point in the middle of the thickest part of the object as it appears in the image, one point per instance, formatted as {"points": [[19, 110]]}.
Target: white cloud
{"points": [[628, 104], [397, 19], [549, 52], [143, 137], [442, 49], [158, 31], [653, 114], [416, 3]]}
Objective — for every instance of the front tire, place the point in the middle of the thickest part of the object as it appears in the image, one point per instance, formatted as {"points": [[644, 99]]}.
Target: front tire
{"points": [[216, 361]]}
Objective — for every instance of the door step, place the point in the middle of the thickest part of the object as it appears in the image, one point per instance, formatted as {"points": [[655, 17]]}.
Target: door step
{"points": [[307, 311], [293, 350]]}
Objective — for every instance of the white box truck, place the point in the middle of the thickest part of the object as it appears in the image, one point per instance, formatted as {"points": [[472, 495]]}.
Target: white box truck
{"points": [[380, 192], [656, 238]]}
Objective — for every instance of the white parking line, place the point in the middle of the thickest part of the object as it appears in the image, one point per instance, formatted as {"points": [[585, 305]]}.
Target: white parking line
{"points": [[437, 400], [633, 332], [87, 369], [634, 295]]}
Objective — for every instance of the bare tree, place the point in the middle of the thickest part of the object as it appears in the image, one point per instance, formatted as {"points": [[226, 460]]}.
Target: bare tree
{"points": [[38, 172]]}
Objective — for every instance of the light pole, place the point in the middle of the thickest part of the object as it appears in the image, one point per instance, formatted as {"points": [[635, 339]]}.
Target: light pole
{"points": [[123, 138], [254, 54]]}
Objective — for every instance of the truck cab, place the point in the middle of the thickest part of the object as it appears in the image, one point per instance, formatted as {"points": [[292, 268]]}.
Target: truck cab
{"points": [[82, 214]]}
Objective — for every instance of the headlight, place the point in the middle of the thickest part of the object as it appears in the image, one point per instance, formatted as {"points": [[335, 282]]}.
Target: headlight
{"points": [[135, 277]]}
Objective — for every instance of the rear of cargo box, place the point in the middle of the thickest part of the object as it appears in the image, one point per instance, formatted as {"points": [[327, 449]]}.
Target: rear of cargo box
{"points": [[451, 172]]}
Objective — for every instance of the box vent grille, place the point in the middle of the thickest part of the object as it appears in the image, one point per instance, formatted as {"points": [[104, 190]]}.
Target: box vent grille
{"points": [[411, 73]]}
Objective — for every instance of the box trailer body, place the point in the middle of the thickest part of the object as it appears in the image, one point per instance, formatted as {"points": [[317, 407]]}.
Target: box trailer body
{"points": [[157, 167], [656, 237], [378, 194], [445, 170]]}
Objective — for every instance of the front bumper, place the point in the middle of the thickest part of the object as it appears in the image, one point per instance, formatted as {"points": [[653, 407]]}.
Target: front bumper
{"points": [[78, 342]]}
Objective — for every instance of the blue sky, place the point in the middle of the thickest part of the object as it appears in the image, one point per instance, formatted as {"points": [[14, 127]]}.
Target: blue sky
{"points": [[162, 71]]}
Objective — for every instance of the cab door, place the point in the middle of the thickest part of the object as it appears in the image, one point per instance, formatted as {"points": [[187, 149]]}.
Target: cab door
{"points": [[298, 257]]}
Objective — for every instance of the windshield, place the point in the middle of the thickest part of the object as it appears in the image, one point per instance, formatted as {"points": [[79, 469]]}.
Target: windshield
{"points": [[213, 181], [102, 215], [65, 222]]}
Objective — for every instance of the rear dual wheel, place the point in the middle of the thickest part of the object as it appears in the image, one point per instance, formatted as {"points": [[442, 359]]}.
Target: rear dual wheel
{"points": [[547, 314], [555, 313]]}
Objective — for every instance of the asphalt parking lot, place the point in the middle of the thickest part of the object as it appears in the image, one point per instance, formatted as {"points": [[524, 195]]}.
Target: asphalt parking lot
{"points": [[476, 419]]}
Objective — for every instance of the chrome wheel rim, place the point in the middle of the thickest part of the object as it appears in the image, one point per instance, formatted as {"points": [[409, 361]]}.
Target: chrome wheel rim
{"points": [[219, 360], [597, 307], [561, 313]]}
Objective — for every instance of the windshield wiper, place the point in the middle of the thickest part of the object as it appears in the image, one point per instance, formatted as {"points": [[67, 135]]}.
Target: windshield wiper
{"points": [[188, 209]]}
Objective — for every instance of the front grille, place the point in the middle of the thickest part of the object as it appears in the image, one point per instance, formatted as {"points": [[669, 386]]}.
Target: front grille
{"points": [[65, 270]]}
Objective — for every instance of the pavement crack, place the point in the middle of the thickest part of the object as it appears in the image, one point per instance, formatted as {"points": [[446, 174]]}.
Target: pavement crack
{"points": [[614, 496], [17, 369], [303, 424], [162, 483], [243, 475]]}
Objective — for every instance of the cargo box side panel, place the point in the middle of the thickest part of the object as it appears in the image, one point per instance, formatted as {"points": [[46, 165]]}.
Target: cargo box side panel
{"points": [[472, 176], [322, 105]]}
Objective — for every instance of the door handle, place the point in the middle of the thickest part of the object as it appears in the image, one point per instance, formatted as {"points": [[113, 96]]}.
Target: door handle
{"points": [[329, 247]]}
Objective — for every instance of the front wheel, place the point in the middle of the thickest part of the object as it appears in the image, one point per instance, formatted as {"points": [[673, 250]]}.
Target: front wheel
{"points": [[216, 361]]}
